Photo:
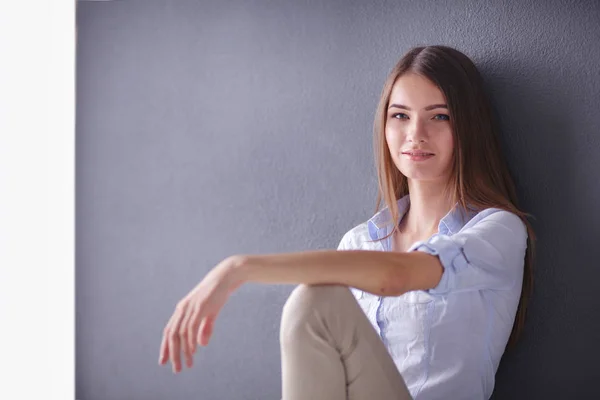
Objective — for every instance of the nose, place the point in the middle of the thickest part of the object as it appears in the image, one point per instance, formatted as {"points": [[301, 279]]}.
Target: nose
{"points": [[416, 133]]}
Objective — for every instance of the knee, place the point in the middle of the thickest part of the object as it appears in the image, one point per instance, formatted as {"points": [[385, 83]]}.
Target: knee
{"points": [[311, 297], [307, 301]]}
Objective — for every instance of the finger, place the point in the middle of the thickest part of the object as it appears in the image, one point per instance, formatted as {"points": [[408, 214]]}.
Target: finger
{"points": [[164, 346], [174, 345], [193, 327], [183, 336], [207, 330], [164, 349], [174, 350], [200, 330]]}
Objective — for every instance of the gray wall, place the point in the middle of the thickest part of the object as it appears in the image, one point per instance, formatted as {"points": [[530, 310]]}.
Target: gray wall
{"points": [[211, 128]]}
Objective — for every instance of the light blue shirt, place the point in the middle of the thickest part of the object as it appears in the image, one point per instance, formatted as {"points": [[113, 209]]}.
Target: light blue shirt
{"points": [[447, 341]]}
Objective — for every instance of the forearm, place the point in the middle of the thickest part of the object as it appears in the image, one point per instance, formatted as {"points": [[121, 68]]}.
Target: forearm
{"points": [[376, 272]]}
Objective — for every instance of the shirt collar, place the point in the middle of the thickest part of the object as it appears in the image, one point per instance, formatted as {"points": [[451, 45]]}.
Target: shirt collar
{"points": [[379, 225]]}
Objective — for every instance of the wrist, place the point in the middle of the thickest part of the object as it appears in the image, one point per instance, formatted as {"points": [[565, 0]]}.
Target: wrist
{"points": [[235, 270]]}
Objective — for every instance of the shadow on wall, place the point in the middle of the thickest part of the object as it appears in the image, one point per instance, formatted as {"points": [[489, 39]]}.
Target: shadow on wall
{"points": [[539, 143]]}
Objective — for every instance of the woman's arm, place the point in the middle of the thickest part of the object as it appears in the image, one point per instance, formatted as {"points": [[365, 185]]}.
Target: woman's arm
{"points": [[378, 272]]}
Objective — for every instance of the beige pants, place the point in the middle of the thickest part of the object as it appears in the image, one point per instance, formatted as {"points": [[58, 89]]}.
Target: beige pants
{"points": [[330, 351]]}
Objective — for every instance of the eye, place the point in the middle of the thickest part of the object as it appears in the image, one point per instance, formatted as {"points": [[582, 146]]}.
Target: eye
{"points": [[444, 117], [399, 116]]}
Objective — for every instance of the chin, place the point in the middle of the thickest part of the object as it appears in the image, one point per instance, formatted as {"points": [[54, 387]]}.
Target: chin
{"points": [[423, 172], [415, 174], [425, 176]]}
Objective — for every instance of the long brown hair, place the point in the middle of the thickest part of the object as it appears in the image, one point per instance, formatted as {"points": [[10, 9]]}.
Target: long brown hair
{"points": [[480, 177]]}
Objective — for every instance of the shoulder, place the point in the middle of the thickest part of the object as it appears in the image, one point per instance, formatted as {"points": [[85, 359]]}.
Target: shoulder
{"points": [[497, 221]]}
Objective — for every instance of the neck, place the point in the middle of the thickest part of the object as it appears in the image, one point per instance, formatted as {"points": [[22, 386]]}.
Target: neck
{"points": [[428, 205]]}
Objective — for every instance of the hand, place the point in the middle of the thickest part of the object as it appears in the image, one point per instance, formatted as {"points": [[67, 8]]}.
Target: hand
{"points": [[193, 320]]}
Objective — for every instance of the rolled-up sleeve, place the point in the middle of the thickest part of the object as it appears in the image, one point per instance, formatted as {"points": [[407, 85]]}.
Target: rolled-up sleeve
{"points": [[489, 254]]}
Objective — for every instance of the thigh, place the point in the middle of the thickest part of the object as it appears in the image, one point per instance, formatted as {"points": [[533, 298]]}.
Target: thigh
{"points": [[370, 370], [337, 327]]}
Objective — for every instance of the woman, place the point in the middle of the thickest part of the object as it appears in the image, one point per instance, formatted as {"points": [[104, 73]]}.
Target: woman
{"points": [[421, 300]]}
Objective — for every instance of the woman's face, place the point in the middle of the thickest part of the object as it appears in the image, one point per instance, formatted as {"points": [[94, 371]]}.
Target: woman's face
{"points": [[418, 122]]}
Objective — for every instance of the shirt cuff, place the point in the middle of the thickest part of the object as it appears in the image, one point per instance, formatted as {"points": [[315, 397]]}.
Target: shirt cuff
{"points": [[451, 257]]}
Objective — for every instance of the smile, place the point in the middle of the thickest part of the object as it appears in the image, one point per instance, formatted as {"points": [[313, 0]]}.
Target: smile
{"points": [[418, 156]]}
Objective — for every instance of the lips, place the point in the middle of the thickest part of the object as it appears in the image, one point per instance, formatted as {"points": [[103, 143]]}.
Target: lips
{"points": [[417, 153]]}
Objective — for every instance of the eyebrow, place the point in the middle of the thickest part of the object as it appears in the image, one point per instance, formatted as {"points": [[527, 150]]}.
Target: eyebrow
{"points": [[431, 107]]}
